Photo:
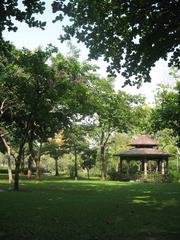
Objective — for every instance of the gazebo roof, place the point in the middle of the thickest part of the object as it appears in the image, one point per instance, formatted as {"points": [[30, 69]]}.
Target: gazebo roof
{"points": [[143, 153], [143, 141]]}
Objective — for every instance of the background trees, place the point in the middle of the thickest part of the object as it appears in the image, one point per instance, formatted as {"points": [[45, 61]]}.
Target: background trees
{"points": [[88, 159], [46, 98], [112, 113], [167, 110], [43, 92]]}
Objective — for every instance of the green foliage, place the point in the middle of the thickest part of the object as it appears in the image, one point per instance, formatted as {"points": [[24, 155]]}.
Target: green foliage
{"points": [[139, 177], [113, 110], [40, 98], [141, 119], [66, 163], [130, 35], [53, 149], [22, 12], [167, 140], [48, 163], [159, 178], [88, 157], [166, 112]]}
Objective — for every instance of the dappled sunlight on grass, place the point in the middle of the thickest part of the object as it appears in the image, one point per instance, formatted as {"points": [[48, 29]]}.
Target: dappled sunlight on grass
{"points": [[90, 210], [170, 202], [142, 199]]}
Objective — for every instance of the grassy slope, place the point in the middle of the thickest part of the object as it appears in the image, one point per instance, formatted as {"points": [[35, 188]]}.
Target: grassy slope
{"points": [[90, 210]]}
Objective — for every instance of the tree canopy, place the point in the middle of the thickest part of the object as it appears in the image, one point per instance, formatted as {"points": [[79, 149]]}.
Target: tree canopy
{"points": [[24, 12], [130, 35]]}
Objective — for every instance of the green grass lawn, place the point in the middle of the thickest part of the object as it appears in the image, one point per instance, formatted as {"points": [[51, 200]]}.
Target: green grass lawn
{"points": [[89, 210]]}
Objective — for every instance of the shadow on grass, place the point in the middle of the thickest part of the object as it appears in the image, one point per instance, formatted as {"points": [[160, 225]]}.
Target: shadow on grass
{"points": [[58, 208]]}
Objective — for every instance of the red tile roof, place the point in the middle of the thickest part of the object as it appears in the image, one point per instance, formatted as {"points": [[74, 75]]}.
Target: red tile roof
{"points": [[143, 153], [143, 140]]}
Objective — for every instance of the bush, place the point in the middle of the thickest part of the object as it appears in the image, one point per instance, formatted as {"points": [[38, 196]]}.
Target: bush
{"points": [[42, 170], [5, 171], [116, 176], [157, 178], [151, 177]]}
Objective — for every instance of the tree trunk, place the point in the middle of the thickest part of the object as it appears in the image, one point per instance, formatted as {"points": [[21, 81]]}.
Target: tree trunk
{"points": [[56, 167], [30, 164], [37, 170], [177, 161], [75, 164], [22, 163], [10, 170], [102, 163], [16, 179], [31, 155], [8, 150], [30, 159], [38, 163], [20, 154], [17, 168], [88, 172]]}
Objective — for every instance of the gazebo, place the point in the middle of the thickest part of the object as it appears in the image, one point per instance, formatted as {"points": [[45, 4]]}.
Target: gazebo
{"points": [[144, 150]]}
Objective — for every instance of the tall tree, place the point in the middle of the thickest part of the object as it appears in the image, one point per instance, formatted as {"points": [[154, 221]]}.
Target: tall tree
{"points": [[75, 137], [45, 97], [38, 92], [55, 149], [112, 113], [130, 35], [8, 153]]}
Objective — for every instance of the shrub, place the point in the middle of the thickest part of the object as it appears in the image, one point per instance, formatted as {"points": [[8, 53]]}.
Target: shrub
{"points": [[123, 176], [150, 178], [159, 178]]}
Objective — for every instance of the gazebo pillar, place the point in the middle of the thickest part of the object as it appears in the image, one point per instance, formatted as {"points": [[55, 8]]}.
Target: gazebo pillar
{"points": [[167, 166], [158, 166], [145, 168], [162, 169], [149, 166], [120, 165], [142, 166], [127, 171]]}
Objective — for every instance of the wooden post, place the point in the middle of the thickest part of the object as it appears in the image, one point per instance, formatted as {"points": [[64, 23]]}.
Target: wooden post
{"points": [[145, 168], [167, 166], [120, 165], [162, 170], [158, 165], [127, 167], [150, 166], [142, 166]]}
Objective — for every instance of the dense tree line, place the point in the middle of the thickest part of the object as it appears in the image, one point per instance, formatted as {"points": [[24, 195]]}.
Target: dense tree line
{"points": [[38, 99], [43, 93]]}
